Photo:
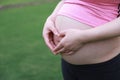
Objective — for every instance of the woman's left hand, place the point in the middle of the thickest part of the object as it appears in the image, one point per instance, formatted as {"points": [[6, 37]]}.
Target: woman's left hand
{"points": [[70, 43]]}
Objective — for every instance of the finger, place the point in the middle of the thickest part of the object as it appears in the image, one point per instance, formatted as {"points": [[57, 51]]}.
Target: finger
{"points": [[62, 33], [61, 51], [58, 47], [48, 43], [54, 30], [51, 39], [48, 40], [68, 53]]}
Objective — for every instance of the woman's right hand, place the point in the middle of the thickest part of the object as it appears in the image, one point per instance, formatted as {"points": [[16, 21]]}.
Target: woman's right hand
{"points": [[49, 31], [71, 41]]}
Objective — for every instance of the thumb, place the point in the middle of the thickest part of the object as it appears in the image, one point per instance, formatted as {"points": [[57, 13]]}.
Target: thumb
{"points": [[54, 30], [62, 33]]}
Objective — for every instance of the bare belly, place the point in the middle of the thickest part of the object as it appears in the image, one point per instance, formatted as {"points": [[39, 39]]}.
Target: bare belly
{"points": [[90, 53]]}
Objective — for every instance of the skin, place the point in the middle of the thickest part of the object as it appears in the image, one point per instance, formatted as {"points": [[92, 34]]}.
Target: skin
{"points": [[84, 52], [49, 28], [106, 31], [74, 48]]}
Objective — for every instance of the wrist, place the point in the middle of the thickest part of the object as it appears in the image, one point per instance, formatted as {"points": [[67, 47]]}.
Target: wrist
{"points": [[94, 34], [87, 36]]}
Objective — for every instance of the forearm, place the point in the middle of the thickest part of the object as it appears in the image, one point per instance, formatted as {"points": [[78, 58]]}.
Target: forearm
{"points": [[108, 30], [53, 14]]}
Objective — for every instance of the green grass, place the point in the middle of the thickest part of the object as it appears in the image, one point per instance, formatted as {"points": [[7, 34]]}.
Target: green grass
{"points": [[6, 2], [23, 53]]}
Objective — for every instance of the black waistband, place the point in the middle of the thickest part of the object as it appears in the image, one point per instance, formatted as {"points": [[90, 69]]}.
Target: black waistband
{"points": [[114, 63]]}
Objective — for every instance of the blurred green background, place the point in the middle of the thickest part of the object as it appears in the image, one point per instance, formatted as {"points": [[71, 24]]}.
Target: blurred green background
{"points": [[23, 53]]}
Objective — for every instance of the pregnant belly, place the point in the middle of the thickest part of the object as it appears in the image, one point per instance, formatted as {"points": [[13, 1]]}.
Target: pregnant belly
{"points": [[90, 53]]}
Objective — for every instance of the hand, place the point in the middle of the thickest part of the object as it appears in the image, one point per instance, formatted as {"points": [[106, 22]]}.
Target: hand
{"points": [[70, 43], [49, 31]]}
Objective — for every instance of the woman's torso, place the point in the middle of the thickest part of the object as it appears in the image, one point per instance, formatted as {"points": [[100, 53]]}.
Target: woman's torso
{"points": [[94, 52], [90, 12]]}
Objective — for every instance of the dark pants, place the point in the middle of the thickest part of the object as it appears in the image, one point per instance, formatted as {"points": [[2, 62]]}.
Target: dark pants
{"points": [[109, 70]]}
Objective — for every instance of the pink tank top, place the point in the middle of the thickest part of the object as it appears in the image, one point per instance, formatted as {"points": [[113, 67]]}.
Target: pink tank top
{"points": [[90, 12]]}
